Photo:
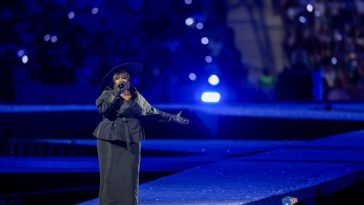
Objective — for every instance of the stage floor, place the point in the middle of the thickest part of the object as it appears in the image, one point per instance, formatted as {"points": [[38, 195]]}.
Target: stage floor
{"points": [[299, 169], [221, 171]]}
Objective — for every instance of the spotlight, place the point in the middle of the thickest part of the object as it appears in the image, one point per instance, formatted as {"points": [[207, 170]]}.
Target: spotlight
{"points": [[188, 2], [199, 25], [189, 21], [204, 40], [302, 19], [54, 39], [309, 8], [192, 76], [208, 59], [24, 59], [210, 97], [214, 80], [71, 15], [95, 10], [47, 37]]}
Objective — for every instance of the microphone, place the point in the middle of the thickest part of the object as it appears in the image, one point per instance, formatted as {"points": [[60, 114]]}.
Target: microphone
{"points": [[122, 86]]}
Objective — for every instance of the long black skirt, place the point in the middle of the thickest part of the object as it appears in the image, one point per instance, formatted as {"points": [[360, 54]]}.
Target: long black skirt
{"points": [[119, 172]]}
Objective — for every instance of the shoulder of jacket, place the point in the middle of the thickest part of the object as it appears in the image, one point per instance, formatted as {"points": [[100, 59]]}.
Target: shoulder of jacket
{"points": [[106, 94]]}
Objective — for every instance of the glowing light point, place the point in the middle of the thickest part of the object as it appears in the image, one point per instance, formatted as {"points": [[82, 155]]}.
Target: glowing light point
{"points": [[210, 97], [214, 80], [192, 76], [204, 40]]}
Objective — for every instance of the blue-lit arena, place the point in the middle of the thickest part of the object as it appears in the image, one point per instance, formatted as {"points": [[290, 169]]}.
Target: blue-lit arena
{"points": [[273, 92]]}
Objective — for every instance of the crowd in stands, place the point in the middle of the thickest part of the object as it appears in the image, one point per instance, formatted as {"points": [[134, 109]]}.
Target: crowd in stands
{"points": [[76, 42], [327, 36]]}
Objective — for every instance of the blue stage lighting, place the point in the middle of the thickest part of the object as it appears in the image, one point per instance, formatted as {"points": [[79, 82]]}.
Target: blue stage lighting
{"points": [[95, 10], [204, 40], [192, 76], [188, 2], [309, 7], [21, 53], [54, 39], [24, 59], [199, 25], [302, 19], [210, 97], [214, 80], [208, 59], [71, 15], [47, 37], [189, 21]]}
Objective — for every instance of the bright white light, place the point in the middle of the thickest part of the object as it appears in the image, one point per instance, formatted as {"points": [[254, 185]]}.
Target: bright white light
{"points": [[208, 59], [24, 59], [188, 2], [210, 97], [47, 37], [95, 10], [204, 40], [20, 53], [54, 39], [189, 21], [199, 25], [334, 60], [214, 80], [71, 15], [192, 76], [309, 8], [302, 19]]}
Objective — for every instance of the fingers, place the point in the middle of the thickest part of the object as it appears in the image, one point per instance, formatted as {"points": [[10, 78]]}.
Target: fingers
{"points": [[179, 113]]}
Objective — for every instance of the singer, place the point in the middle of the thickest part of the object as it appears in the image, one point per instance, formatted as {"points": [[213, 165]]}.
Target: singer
{"points": [[119, 137]]}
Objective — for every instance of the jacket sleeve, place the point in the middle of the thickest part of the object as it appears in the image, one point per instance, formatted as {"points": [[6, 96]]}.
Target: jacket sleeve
{"points": [[146, 109], [107, 103]]}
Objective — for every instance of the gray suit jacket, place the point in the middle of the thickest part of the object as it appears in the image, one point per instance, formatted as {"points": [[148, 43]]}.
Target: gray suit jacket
{"points": [[120, 118]]}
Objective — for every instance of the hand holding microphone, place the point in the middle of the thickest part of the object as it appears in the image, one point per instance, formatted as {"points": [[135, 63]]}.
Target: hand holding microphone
{"points": [[120, 88]]}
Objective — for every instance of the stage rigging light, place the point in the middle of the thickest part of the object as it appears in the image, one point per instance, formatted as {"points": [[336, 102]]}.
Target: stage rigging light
{"points": [[188, 2], [95, 10], [302, 19], [71, 15], [204, 40], [189, 21], [199, 25], [54, 39], [309, 8], [20, 53], [192, 76], [24, 59], [208, 59], [47, 37], [214, 80], [210, 97]]}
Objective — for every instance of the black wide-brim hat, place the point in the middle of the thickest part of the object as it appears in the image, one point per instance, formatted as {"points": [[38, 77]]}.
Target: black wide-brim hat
{"points": [[133, 68]]}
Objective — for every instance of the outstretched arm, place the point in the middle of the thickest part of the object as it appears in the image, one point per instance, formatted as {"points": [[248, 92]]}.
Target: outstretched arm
{"points": [[148, 110]]}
